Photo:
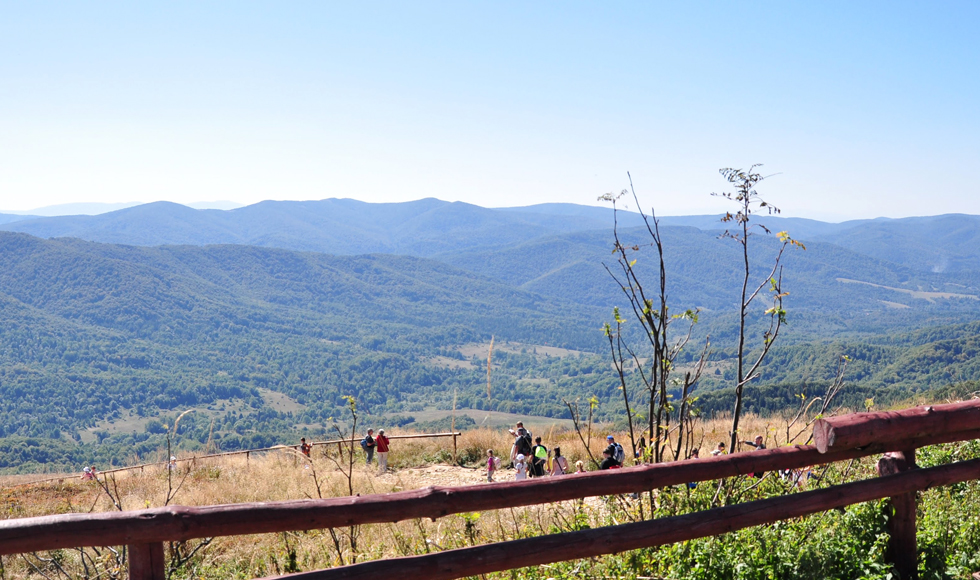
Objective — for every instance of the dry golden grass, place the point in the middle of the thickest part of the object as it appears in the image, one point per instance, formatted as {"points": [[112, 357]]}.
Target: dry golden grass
{"points": [[284, 475]]}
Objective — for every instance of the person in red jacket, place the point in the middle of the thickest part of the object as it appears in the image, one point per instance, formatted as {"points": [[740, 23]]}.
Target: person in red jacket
{"points": [[382, 442]]}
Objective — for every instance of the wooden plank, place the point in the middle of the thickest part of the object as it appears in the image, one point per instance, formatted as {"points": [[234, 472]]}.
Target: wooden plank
{"points": [[902, 545], [174, 523], [477, 560], [146, 562], [860, 429], [412, 436]]}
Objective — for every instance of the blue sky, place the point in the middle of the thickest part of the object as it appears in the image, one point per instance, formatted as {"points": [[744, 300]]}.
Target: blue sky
{"points": [[863, 109]]}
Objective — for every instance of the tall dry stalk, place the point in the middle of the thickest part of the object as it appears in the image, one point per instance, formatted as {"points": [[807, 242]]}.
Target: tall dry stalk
{"points": [[346, 467], [486, 421]]}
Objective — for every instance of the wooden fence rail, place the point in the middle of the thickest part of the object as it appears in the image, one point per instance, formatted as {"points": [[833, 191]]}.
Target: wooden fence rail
{"points": [[860, 429], [145, 530], [552, 548], [175, 523]]}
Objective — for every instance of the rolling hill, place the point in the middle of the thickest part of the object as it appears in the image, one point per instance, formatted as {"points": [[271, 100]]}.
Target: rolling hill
{"points": [[426, 227], [98, 334], [336, 226]]}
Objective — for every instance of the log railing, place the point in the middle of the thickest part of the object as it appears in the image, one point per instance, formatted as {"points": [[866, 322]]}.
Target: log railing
{"points": [[145, 530], [607, 540]]}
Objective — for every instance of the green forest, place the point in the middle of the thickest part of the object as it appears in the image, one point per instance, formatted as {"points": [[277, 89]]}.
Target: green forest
{"points": [[104, 345]]}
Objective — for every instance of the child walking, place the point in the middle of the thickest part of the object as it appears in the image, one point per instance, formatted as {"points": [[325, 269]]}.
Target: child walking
{"points": [[521, 467], [491, 465]]}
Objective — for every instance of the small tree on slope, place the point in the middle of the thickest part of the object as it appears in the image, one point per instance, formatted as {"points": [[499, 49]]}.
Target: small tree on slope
{"points": [[749, 202]]}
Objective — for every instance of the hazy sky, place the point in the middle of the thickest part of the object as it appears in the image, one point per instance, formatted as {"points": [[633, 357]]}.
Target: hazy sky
{"points": [[864, 109]]}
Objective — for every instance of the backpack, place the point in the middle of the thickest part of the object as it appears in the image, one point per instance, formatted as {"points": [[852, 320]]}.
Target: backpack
{"points": [[620, 455], [364, 444], [524, 443], [496, 463]]}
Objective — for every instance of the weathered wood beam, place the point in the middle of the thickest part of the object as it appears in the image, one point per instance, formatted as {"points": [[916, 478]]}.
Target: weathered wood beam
{"points": [[146, 562], [902, 545], [175, 523], [860, 429], [484, 559]]}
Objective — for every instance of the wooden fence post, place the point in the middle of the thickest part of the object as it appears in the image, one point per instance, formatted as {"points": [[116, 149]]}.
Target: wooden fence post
{"points": [[454, 447], [902, 548], [146, 562]]}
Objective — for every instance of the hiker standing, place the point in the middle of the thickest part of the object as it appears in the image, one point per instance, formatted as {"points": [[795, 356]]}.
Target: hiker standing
{"points": [[759, 446], [618, 455], [695, 454], [368, 444], [304, 447], [382, 442], [519, 432], [522, 443], [613, 454], [539, 454], [560, 465]]}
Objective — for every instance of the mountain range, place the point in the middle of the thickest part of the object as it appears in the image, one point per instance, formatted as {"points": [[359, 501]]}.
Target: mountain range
{"points": [[426, 227]]}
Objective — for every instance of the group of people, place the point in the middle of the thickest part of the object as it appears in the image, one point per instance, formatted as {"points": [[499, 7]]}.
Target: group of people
{"points": [[370, 444], [535, 460], [530, 458]]}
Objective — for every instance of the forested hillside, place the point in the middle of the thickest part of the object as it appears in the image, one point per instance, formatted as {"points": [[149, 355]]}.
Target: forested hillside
{"points": [[833, 291], [104, 344], [97, 335]]}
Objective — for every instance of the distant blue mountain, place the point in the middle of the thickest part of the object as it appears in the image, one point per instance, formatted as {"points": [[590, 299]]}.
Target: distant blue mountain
{"points": [[336, 226], [84, 208], [427, 227], [6, 218]]}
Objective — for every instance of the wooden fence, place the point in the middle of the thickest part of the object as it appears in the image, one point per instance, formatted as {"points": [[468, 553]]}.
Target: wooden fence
{"points": [[840, 438]]}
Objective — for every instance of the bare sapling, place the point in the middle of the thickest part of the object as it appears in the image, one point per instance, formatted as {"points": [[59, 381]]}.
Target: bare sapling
{"points": [[749, 202], [804, 417], [573, 410], [649, 368]]}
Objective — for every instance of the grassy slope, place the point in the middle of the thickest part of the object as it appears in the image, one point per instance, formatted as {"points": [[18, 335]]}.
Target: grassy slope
{"points": [[846, 543]]}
